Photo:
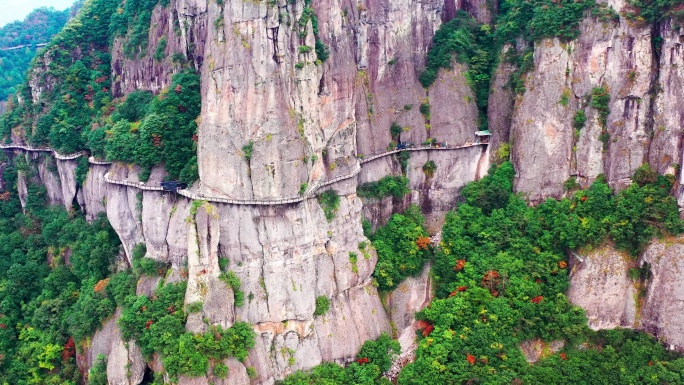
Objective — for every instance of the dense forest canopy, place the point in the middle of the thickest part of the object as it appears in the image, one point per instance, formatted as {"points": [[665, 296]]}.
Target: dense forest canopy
{"points": [[79, 112], [18, 42], [59, 281], [500, 271]]}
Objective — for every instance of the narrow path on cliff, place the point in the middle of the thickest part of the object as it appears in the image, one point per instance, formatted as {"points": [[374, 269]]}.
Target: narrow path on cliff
{"points": [[311, 193]]}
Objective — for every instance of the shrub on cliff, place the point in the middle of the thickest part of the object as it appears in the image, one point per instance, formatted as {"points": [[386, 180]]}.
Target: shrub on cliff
{"points": [[395, 186], [164, 130], [401, 252]]}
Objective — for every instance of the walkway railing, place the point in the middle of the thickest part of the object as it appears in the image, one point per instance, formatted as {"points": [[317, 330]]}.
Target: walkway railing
{"points": [[138, 185], [419, 148], [92, 160], [318, 185], [57, 155]]}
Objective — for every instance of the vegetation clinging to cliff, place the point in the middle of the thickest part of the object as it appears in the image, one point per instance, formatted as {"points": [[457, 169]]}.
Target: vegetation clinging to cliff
{"points": [[403, 247], [67, 106], [132, 20], [501, 268], [56, 284], [395, 186], [148, 130], [478, 45], [157, 324], [374, 358], [38, 27], [73, 114], [500, 275], [473, 45]]}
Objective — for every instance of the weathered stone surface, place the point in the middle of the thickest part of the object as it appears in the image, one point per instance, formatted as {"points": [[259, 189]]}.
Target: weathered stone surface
{"points": [[665, 296], [534, 350], [204, 284], [615, 56], [124, 216], [182, 27], [22, 188], [343, 106], [541, 127], [95, 191], [125, 363], [67, 176], [668, 113], [410, 296], [49, 177], [500, 104], [600, 285]]}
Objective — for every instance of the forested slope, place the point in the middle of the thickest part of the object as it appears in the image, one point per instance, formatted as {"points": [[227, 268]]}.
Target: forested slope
{"points": [[18, 42]]}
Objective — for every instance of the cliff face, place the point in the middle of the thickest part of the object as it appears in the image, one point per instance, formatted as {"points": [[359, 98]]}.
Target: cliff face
{"points": [[546, 152], [306, 121], [643, 82], [285, 258], [600, 283]]}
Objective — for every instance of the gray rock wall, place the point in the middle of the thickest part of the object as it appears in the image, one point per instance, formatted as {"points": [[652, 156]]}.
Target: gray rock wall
{"points": [[602, 287], [644, 120]]}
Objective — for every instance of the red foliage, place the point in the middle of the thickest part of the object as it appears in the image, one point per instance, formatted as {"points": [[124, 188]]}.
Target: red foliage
{"points": [[563, 356], [584, 198], [471, 359], [363, 360], [148, 324], [537, 299], [178, 89], [171, 309], [423, 242], [650, 363], [458, 290], [5, 196], [460, 264], [69, 349], [3, 326], [562, 264], [538, 280], [143, 308], [101, 285], [194, 137], [100, 79], [492, 280], [181, 108], [425, 326], [156, 140]]}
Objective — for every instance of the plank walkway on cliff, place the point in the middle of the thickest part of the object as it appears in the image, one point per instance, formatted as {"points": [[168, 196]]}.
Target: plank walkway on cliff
{"points": [[316, 186]]}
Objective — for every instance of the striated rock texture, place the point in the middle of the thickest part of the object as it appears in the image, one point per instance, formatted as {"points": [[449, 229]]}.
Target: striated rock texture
{"points": [[665, 295], [618, 57], [410, 296], [125, 362], [180, 29], [307, 119], [600, 285]]}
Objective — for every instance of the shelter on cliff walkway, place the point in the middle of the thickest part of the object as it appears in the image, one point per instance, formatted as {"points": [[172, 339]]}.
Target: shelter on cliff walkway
{"points": [[482, 136]]}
